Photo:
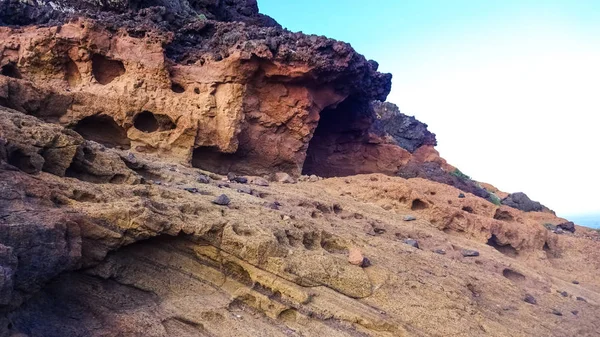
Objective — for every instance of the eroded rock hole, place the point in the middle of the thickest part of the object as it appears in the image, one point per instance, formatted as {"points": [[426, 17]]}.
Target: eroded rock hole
{"points": [[104, 130], [418, 205], [10, 70], [106, 70], [72, 74], [148, 122], [338, 145], [512, 275], [505, 249], [177, 88], [503, 215]]}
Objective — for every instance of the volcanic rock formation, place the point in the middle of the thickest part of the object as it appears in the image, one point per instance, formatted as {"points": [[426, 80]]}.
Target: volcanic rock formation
{"points": [[137, 139]]}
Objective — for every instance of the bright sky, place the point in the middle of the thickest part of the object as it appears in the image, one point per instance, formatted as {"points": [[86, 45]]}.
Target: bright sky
{"points": [[510, 87]]}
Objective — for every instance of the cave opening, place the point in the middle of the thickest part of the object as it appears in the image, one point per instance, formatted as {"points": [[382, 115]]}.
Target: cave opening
{"points": [[149, 122], [177, 88], [209, 158], [104, 130], [335, 148], [11, 70], [106, 70], [505, 249], [418, 205]]}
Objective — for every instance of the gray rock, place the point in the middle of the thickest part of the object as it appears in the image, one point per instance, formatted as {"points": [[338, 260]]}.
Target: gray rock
{"points": [[567, 226], [556, 312], [222, 200], [410, 218], [461, 196], [440, 251], [559, 231], [575, 282], [365, 263], [258, 181], [469, 253], [192, 190], [579, 298], [564, 294], [412, 242], [313, 178], [245, 189], [521, 201], [530, 299], [203, 179], [575, 312]]}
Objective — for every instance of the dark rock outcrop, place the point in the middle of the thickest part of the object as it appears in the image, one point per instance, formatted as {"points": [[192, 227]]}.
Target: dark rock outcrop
{"points": [[522, 202], [405, 131]]}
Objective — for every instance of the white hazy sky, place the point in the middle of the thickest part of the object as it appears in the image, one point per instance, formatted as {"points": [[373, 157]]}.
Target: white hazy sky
{"points": [[511, 88]]}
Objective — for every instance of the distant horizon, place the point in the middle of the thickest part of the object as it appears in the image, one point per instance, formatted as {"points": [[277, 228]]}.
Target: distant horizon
{"points": [[510, 89]]}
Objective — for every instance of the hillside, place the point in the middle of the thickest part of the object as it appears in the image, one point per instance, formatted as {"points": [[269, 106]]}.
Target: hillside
{"points": [[191, 168]]}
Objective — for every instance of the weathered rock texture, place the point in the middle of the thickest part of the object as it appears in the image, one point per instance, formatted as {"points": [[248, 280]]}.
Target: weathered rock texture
{"points": [[88, 255], [107, 228]]}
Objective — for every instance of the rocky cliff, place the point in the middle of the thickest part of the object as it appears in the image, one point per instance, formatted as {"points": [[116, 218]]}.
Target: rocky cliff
{"points": [[149, 159]]}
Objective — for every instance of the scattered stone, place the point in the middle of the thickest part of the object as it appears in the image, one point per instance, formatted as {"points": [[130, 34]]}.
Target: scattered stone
{"points": [[284, 178], [440, 251], [575, 312], [461, 196], [203, 179], [579, 298], [222, 200], [410, 218], [259, 181], [412, 242], [275, 205], [469, 253], [530, 299], [240, 180], [567, 226], [564, 294], [313, 179], [556, 312], [575, 282], [192, 190], [245, 189], [365, 263], [223, 185], [355, 256]]}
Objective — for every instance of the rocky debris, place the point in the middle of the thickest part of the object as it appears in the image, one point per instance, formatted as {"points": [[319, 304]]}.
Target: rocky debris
{"points": [[564, 293], [355, 256], [579, 298], [259, 181], [522, 202], [284, 178], [469, 253], [440, 251], [192, 190], [365, 263], [567, 226], [245, 190], [575, 282], [412, 242], [222, 200], [237, 179], [556, 312], [276, 205], [402, 130], [575, 312], [203, 179], [409, 218], [461, 196], [530, 299]]}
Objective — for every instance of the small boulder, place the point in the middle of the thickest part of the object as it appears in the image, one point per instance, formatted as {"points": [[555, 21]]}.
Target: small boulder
{"points": [[440, 251], [412, 242], [575, 282], [282, 177], [192, 190], [245, 189], [203, 179], [556, 312], [530, 299], [461, 196], [469, 253], [275, 205], [579, 298], [355, 256], [409, 218], [575, 312], [365, 263], [222, 200], [564, 294], [313, 179], [259, 181], [567, 226]]}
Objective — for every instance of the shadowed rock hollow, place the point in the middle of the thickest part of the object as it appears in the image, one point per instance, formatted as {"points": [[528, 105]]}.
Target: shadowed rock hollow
{"points": [[126, 125]]}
